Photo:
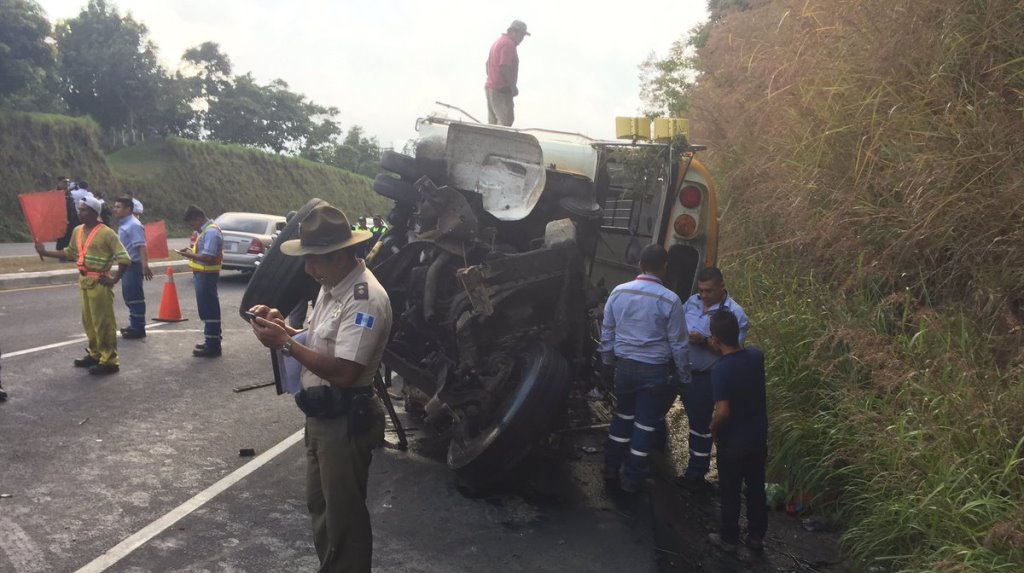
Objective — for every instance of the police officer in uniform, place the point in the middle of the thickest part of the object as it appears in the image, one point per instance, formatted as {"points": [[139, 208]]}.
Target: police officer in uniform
{"points": [[711, 296], [348, 330], [643, 340]]}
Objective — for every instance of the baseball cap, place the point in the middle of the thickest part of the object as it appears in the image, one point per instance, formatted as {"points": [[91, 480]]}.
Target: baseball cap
{"points": [[518, 25]]}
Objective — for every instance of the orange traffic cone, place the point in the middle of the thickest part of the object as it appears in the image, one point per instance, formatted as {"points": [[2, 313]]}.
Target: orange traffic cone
{"points": [[169, 309]]}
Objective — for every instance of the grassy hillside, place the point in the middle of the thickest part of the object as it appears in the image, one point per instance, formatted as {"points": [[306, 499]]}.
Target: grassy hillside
{"points": [[166, 175], [35, 149], [872, 161]]}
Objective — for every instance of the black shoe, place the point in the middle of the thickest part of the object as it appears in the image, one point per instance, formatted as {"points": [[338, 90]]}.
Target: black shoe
{"points": [[201, 346], [754, 544], [86, 362], [206, 352], [3, 394], [101, 369], [130, 333]]}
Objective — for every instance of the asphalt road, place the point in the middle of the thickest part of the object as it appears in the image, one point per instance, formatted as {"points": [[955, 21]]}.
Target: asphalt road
{"points": [[140, 471]]}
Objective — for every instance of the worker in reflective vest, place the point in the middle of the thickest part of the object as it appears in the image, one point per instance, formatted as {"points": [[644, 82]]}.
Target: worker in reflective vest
{"points": [[95, 248], [205, 256]]}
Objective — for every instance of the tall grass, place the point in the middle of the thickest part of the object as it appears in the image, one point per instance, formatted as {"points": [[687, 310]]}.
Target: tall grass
{"points": [[908, 441], [872, 155]]}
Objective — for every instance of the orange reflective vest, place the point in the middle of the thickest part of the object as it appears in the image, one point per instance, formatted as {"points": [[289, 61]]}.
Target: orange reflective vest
{"points": [[83, 247], [198, 267]]}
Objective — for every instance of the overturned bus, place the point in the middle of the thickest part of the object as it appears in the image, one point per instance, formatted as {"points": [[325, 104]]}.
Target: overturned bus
{"points": [[503, 244]]}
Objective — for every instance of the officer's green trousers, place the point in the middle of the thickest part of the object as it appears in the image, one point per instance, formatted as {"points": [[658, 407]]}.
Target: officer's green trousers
{"points": [[337, 469], [100, 323]]}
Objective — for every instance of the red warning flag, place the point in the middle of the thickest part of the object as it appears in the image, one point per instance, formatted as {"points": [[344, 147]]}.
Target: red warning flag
{"points": [[46, 214], [156, 240]]}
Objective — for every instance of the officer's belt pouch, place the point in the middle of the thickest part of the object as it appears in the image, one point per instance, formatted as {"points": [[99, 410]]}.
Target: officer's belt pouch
{"points": [[329, 401]]}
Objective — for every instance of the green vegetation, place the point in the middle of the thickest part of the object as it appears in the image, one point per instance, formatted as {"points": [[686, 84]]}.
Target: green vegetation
{"points": [[169, 174], [35, 149], [871, 156], [166, 174], [102, 64]]}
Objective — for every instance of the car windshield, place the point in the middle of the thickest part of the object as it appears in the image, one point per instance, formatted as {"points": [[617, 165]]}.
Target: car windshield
{"points": [[242, 223]]}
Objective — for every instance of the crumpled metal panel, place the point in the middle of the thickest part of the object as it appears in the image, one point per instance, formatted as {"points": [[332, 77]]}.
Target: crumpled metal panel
{"points": [[505, 167]]}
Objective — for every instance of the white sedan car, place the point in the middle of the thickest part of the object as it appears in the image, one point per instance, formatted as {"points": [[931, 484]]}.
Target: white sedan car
{"points": [[246, 237]]}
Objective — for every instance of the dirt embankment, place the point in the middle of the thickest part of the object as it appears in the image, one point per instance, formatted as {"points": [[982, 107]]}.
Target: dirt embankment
{"points": [[166, 174]]}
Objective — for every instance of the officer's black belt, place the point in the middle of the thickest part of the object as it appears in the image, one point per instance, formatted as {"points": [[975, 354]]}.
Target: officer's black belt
{"points": [[329, 401]]}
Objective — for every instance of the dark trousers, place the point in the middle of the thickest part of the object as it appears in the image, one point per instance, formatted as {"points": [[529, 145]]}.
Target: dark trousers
{"points": [[337, 472], [699, 406], [134, 298], [643, 396], [209, 306], [740, 465]]}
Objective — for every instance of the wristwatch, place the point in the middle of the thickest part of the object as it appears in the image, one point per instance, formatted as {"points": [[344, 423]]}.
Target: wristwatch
{"points": [[287, 348]]}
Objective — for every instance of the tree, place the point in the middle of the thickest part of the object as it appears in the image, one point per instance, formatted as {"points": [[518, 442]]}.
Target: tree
{"points": [[368, 149], [666, 83], [27, 60], [109, 67], [209, 67], [269, 117]]}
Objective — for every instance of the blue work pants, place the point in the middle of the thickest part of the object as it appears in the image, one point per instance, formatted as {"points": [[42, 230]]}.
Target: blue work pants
{"points": [[134, 298], [699, 405], [209, 307], [643, 396]]}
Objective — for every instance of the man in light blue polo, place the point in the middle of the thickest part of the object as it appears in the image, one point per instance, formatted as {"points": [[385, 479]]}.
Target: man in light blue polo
{"points": [[133, 237], [711, 297], [643, 341]]}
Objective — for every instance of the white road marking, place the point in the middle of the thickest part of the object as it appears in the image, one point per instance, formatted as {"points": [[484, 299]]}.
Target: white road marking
{"points": [[136, 540], [65, 343]]}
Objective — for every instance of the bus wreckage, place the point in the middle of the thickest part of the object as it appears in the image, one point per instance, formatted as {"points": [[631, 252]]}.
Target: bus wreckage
{"points": [[502, 246]]}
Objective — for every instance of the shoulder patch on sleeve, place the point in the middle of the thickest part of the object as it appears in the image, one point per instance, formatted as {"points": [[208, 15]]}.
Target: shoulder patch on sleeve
{"points": [[364, 320], [361, 292]]}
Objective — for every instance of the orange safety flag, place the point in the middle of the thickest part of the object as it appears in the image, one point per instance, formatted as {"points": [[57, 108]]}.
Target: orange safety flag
{"points": [[156, 240], [46, 213]]}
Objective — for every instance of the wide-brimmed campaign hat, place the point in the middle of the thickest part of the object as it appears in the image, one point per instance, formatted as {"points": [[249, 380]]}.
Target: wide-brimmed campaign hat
{"points": [[324, 230]]}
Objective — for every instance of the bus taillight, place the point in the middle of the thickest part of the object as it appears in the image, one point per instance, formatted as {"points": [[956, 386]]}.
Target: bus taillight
{"points": [[685, 226], [690, 197]]}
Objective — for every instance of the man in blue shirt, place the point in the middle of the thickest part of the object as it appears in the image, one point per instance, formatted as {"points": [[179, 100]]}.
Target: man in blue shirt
{"points": [[711, 297], [205, 257], [642, 336], [133, 237], [740, 428]]}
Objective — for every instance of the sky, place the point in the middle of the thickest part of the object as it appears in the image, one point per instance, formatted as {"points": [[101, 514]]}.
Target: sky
{"points": [[384, 63]]}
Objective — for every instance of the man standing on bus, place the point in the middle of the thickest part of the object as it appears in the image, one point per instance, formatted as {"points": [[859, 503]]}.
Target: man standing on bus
{"points": [[503, 75], [711, 297]]}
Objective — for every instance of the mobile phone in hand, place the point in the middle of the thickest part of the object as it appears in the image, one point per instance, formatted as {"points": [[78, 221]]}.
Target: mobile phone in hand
{"points": [[249, 315]]}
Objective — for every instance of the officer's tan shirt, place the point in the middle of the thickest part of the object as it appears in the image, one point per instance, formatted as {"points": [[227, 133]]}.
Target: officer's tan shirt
{"points": [[352, 321]]}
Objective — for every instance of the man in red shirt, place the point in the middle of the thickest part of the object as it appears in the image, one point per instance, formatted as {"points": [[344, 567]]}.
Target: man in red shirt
{"points": [[503, 73]]}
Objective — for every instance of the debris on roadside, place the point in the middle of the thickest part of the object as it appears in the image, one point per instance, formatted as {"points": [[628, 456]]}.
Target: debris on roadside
{"points": [[246, 452]]}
